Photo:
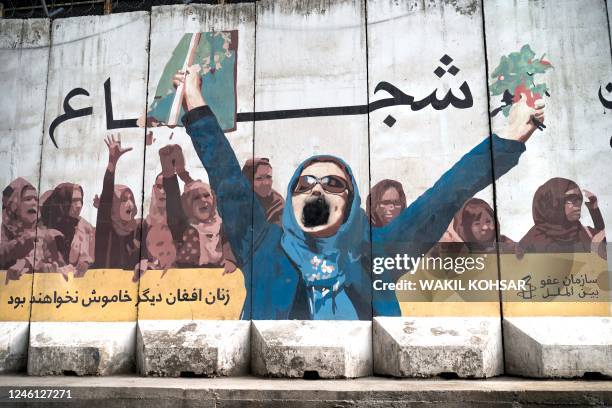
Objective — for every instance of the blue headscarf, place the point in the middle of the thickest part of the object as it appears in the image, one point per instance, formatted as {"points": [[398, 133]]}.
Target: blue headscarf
{"points": [[328, 266]]}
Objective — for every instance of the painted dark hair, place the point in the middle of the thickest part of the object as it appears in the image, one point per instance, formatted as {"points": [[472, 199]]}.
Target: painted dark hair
{"points": [[472, 211], [251, 165], [375, 196]]}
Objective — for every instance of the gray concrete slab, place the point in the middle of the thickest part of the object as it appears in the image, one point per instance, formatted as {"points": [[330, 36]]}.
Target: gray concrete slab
{"points": [[24, 52], [122, 391], [298, 348], [558, 347], [82, 348], [428, 346], [13, 346], [174, 348]]}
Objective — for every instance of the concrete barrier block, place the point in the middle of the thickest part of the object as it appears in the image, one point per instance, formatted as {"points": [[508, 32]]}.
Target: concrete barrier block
{"points": [[558, 347], [468, 347], [83, 348], [175, 348], [13, 346], [311, 349]]}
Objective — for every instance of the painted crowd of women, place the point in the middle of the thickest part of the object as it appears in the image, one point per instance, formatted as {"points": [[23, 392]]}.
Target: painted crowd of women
{"points": [[180, 230], [556, 211], [184, 229]]}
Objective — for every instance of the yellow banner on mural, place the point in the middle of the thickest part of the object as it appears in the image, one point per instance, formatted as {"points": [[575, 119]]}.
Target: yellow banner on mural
{"points": [[101, 295], [15, 298], [454, 309], [191, 294], [571, 284], [111, 295], [557, 277], [557, 284]]}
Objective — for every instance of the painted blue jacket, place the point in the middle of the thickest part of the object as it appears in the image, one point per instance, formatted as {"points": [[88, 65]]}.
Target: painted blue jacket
{"points": [[275, 286]]}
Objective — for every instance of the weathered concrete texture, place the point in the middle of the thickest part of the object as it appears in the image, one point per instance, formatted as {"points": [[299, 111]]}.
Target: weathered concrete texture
{"points": [[84, 348], [428, 138], [124, 391], [558, 347], [210, 348], [428, 346], [311, 54], [574, 37], [24, 55], [324, 349], [24, 52], [13, 346]]}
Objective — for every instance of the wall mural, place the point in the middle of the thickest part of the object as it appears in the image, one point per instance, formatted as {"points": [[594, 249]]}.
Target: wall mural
{"points": [[220, 238]]}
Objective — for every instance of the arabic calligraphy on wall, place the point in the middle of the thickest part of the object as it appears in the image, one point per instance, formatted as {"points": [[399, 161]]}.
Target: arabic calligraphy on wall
{"points": [[397, 98], [570, 277], [202, 293]]}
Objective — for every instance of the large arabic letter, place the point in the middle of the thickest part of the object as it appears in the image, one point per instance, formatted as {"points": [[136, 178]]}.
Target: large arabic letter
{"points": [[108, 104], [398, 97], [449, 99], [467, 101], [69, 112], [606, 103]]}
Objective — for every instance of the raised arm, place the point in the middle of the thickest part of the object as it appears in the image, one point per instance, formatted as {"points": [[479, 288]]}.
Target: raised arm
{"points": [[103, 219], [593, 207], [239, 211], [177, 220], [420, 225]]}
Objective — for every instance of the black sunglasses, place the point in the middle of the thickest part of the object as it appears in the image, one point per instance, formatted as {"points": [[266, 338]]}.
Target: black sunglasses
{"points": [[331, 184]]}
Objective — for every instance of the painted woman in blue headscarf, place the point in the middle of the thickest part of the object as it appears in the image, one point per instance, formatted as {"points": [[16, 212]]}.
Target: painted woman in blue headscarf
{"points": [[317, 264], [325, 235]]}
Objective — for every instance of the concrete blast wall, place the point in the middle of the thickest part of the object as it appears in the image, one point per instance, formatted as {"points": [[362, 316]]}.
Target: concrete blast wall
{"points": [[299, 160]]}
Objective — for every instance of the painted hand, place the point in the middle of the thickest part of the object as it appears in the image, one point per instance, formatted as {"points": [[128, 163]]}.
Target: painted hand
{"points": [[115, 151], [520, 125], [178, 159], [193, 86], [166, 154], [229, 267], [592, 203]]}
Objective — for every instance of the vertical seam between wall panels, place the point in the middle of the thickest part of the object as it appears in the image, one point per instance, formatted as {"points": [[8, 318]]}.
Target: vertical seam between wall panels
{"points": [[42, 139], [606, 2], [365, 8], [607, 10], [252, 252], [493, 181], [144, 169]]}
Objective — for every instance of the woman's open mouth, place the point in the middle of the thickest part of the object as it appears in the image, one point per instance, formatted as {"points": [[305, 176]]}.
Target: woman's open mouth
{"points": [[315, 212]]}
